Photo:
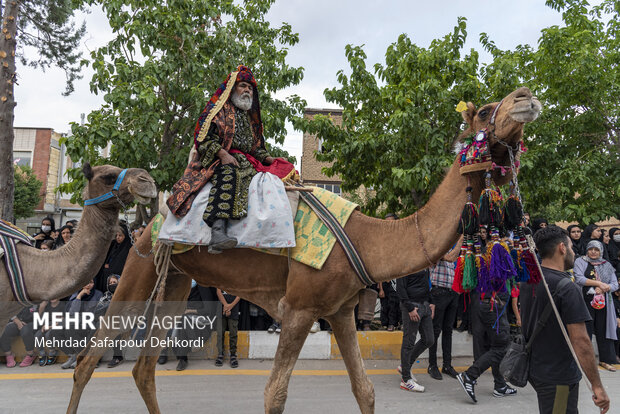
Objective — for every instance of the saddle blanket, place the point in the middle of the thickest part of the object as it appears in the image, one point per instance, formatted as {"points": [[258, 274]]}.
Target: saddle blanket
{"points": [[269, 223], [313, 240], [9, 237]]}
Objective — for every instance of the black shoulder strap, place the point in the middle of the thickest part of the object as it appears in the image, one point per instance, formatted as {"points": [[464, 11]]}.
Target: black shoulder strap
{"points": [[542, 321]]}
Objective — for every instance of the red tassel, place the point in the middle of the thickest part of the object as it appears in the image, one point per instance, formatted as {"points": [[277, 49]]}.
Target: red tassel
{"points": [[457, 284], [532, 267]]}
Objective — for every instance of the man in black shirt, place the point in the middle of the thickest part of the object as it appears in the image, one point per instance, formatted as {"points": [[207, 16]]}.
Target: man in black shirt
{"points": [[414, 293], [554, 374]]}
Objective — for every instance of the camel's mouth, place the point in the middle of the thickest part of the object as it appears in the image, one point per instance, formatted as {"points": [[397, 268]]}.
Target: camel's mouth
{"points": [[525, 109], [146, 193], [143, 200]]}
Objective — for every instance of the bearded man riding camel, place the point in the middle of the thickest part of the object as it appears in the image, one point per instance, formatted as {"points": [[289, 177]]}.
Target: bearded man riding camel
{"points": [[230, 151]]}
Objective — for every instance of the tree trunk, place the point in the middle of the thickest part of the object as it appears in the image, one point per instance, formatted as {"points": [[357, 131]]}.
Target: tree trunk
{"points": [[7, 107]]}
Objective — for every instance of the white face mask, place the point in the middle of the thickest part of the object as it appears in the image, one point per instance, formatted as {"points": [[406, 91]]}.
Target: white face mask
{"points": [[617, 238], [46, 229]]}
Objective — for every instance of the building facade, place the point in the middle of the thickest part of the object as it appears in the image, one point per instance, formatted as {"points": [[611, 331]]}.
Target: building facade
{"points": [[40, 149], [311, 168]]}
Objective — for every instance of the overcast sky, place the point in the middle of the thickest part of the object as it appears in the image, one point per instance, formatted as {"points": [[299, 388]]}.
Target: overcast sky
{"points": [[324, 28]]}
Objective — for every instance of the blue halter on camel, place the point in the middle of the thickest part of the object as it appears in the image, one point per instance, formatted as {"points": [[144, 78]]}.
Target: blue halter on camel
{"points": [[109, 194]]}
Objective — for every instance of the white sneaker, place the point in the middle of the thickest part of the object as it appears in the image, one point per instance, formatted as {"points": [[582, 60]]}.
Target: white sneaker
{"points": [[316, 327], [400, 371], [411, 385]]}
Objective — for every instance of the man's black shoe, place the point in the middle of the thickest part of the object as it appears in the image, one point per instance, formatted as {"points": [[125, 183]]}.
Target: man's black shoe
{"points": [[162, 359], [433, 371], [115, 361], [182, 364], [468, 385], [219, 361], [449, 371], [504, 391]]}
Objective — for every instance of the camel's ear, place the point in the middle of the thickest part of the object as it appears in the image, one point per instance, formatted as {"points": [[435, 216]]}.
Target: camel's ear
{"points": [[469, 113], [88, 171]]}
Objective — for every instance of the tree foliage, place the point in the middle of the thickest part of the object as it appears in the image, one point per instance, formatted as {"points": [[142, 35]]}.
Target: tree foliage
{"points": [[399, 122], [157, 74], [572, 171], [27, 192], [49, 28]]}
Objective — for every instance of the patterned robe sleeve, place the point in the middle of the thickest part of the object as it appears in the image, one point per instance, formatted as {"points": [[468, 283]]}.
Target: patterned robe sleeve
{"points": [[260, 154], [209, 148]]}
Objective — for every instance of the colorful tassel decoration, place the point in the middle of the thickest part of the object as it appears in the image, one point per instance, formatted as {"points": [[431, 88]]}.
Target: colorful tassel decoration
{"points": [[501, 267], [484, 281], [470, 273], [528, 259], [490, 211], [457, 284], [532, 267], [468, 224], [513, 213]]}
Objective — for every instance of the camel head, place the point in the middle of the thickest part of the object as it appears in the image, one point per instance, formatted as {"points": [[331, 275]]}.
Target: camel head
{"points": [[506, 127], [136, 185]]}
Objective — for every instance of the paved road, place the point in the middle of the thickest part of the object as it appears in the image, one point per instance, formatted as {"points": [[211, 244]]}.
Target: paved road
{"points": [[316, 387]]}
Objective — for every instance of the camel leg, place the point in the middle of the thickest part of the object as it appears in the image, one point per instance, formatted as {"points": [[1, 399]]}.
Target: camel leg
{"points": [[137, 282], [296, 325], [177, 289], [343, 326], [87, 362]]}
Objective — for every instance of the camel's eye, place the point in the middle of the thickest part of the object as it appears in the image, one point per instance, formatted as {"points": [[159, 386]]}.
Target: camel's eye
{"points": [[483, 114], [109, 179]]}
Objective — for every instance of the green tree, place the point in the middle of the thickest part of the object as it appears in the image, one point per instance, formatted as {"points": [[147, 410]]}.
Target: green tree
{"points": [[157, 74], [27, 192], [572, 169], [399, 122], [48, 27]]}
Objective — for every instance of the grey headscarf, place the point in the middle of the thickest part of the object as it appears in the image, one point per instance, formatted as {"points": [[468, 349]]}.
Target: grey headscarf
{"points": [[596, 245]]}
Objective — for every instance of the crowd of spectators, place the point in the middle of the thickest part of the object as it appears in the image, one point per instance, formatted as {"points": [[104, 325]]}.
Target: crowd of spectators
{"points": [[438, 310]]}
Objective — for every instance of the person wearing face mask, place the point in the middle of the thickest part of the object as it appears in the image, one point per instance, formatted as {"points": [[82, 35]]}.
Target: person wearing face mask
{"points": [[48, 225], [101, 309], [598, 280], [613, 248]]}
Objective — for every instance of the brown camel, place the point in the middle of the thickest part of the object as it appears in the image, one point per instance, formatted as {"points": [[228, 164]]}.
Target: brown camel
{"points": [[61, 272], [296, 295]]}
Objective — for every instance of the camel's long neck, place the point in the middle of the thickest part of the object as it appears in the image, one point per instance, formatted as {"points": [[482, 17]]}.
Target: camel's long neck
{"points": [[394, 248], [62, 272]]}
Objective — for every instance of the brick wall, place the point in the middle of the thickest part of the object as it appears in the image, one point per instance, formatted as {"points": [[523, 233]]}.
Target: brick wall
{"points": [[310, 167]]}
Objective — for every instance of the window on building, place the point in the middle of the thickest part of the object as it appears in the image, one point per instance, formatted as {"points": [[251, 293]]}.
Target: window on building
{"points": [[22, 158], [323, 148], [334, 188]]}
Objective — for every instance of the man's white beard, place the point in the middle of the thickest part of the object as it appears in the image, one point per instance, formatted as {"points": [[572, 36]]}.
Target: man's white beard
{"points": [[242, 101]]}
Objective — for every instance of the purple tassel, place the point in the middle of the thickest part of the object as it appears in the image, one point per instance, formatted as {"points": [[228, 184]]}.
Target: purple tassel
{"points": [[501, 267], [484, 280]]}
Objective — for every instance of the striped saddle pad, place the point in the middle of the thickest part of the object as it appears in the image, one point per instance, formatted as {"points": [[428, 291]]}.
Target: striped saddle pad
{"points": [[9, 237]]}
